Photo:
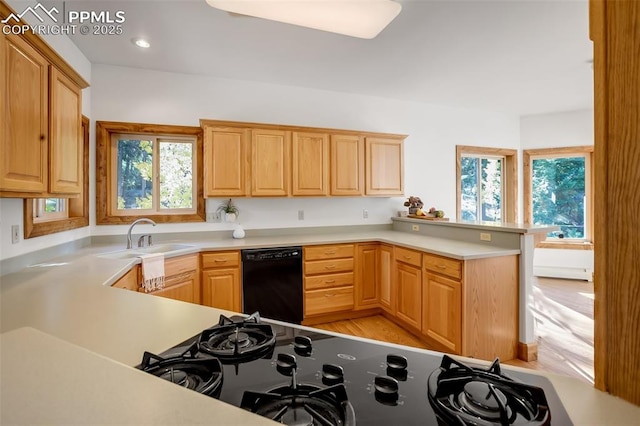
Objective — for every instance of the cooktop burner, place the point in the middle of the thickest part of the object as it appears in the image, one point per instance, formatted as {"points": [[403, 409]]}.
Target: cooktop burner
{"points": [[203, 375], [238, 339], [300, 404], [472, 396]]}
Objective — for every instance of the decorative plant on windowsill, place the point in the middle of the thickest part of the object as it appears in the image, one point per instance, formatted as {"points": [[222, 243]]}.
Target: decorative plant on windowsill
{"points": [[414, 204], [230, 211]]}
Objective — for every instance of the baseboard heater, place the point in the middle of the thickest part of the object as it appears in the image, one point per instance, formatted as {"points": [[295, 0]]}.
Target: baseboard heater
{"points": [[563, 272]]}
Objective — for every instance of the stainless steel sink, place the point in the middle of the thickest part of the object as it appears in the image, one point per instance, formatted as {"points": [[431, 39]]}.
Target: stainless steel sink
{"points": [[166, 249]]}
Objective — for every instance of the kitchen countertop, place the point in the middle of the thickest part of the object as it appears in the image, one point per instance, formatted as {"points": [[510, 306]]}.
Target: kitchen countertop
{"points": [[67, 298]]}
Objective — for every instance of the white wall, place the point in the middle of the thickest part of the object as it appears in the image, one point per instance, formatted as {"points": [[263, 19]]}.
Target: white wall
{"points": [[134, 95], [573, 128]]}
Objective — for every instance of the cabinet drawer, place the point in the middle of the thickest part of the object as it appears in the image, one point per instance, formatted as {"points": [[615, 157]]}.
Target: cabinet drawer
{"points": [[220, 259], [443, 265], [328, 266], [334, 251], [411, 257], [180, 265], [327, 281], [328, 301]]}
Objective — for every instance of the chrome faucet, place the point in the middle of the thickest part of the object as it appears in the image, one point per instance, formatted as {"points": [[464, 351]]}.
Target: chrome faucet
{"points": [[135, 222]]}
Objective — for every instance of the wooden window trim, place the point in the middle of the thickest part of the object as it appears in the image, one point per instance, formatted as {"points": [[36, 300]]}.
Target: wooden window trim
{"points": [[510, 174], [78, 208], [104, 132], [528, 156]]}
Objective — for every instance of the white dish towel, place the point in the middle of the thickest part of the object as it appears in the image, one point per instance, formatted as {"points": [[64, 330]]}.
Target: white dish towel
{"points": [[152, 271]]}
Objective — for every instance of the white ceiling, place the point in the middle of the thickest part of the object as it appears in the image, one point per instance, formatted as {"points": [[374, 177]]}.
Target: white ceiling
{"points": [[520, 57]]}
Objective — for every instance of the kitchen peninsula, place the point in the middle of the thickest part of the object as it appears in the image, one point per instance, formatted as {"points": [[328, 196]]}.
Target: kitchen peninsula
{"points": [[70, 297]]}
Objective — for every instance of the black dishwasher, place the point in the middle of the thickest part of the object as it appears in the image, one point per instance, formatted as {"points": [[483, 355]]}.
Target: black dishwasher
{"points": [[272, 283]]}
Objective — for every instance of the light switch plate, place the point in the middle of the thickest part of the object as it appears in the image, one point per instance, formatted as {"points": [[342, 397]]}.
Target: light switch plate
{"points": [[15, 234], [415, 227], [485, 236]]}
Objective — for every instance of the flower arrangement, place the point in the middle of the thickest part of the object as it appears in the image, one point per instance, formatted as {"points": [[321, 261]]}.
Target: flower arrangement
{"points": [[414, 203]]}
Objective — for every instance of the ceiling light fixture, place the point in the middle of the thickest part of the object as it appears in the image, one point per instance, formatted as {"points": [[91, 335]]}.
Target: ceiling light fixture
{"points": [[140, 42], [355, 18]]}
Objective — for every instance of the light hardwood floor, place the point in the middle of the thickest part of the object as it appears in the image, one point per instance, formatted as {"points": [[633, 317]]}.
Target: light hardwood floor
{"points": [[563, 310]]}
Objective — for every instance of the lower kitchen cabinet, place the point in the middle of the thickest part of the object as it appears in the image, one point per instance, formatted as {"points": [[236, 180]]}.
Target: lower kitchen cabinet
{"points": [[409, 293], [221, 284], [386, 279], [366, 283], [442, 311], [328, 279], [182, 281], [130, 280]]}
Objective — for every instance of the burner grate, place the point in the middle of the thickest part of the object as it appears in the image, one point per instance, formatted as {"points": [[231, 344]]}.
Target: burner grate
{"points": [[463, 395]]}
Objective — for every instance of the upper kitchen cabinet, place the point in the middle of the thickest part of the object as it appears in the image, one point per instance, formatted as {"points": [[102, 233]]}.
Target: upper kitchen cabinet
{"points": [[270, 162], [347, 165], [310, 163], [40, 119], [25, 117], [66, 143], [384, 164], [226, 162], [275, 160]]}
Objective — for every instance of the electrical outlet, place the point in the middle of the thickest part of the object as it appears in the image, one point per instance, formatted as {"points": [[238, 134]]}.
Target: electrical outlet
{"points": [[213, 217], [15, 234], [485, 236], [300, 214], [415, 227], [365, 214]]}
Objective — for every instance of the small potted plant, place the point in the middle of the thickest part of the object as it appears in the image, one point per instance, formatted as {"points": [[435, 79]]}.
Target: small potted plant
{"points": [[414, 204], [230, 211]]}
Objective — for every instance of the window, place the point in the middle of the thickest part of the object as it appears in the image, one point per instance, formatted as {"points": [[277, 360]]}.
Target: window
{"points": [[149, 170], [486, 184], [44, 216], [46, 209], [153, 175], [558, 191]]}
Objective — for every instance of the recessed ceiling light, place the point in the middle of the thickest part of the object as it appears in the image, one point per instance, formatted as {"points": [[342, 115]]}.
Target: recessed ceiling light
{"points": [[356, 18], [140, 42]]}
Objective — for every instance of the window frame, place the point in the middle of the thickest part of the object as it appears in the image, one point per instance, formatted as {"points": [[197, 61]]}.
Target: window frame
{"points": [[77, 208], [509, 175], [585, 151], [106, 211], [41, 215]]}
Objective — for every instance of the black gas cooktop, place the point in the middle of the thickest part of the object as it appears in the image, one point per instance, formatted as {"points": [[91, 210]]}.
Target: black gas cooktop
{"points": [[299, 376]]}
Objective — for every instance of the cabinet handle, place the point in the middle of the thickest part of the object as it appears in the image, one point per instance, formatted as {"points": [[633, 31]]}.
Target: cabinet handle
{"points": [[330, 252], [329, 281], [219, 260], [329, 294], [330, 267], [441, 266], [408, 257]]}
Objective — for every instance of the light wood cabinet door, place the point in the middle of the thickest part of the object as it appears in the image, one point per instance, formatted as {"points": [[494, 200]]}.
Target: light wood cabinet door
{"points": [[270, 162], [226, 162], [24, 119], [384, 165], [442, 311], [347, 165], [366, 285], [221, 289], [66, 144], [386, 277], [184, 288], [409, 287], [130, 280], [310, 164]]}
